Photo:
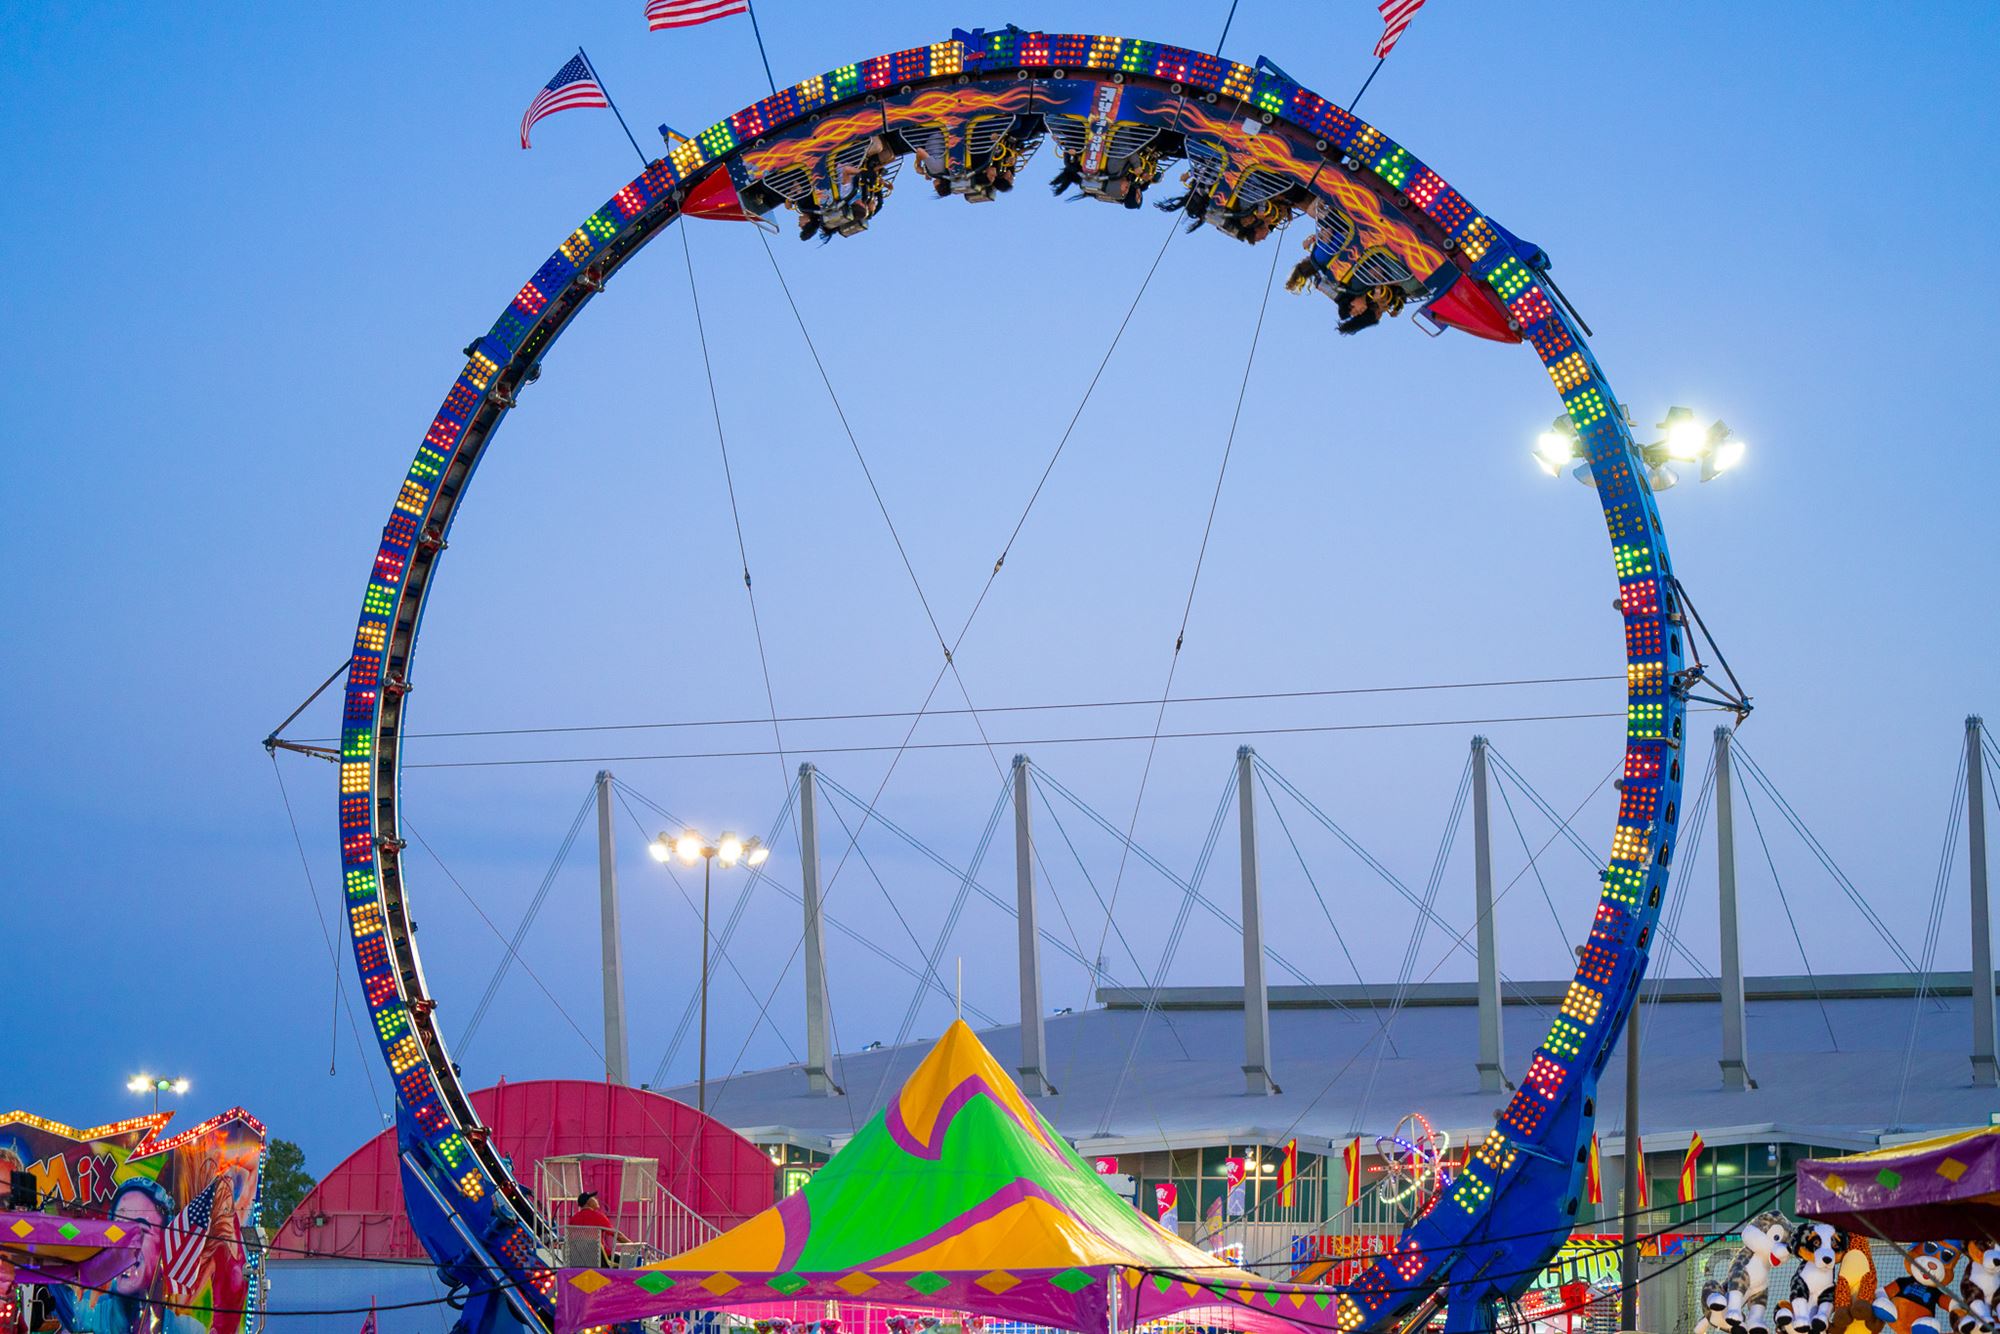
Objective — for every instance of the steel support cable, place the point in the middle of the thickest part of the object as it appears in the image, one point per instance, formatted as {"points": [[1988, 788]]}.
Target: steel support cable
{"points": [[900, 748], [1095, 969], [1099, 974], [1825, 858], [1194, 582], [1389, 877], [1413, 948], [1693, 824], [938, 859], [513, 950], [1061, 707], [866, 941], [1541, 803], [1562, 931], [1458, 942], [510, 949], [687, 898], [735, 516], [340, 997], [1213, 909], [1313, 884], [942, 940], [1934, 929], [1189, 893], [1568, 831], [950, 649], [1805, 959]]}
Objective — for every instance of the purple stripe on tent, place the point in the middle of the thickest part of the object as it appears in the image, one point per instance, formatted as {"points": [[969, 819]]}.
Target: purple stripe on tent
{"points": [[968, 1089]]}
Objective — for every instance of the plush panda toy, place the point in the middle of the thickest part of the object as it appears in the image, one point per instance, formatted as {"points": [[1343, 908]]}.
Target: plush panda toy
{"points": [[1979, 1290], [1739, 1302]]}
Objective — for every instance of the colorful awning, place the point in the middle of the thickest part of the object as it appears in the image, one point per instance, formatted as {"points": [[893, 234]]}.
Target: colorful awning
{"points": [[957, 1196], [1944, 1187]]}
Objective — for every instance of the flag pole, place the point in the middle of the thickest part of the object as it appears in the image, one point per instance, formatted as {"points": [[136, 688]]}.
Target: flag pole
{"points": [[1379, 62], [644, 161], [758, 33]]}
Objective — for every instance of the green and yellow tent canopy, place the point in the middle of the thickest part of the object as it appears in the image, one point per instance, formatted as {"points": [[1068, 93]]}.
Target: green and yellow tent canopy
{"points": [[957, 1196]]}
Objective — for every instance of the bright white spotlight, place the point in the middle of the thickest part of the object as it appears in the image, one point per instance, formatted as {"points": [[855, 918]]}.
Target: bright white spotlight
{"points": [[660, 848], [180, 1086], [728, 849], [139, 1083], [688, 845], [1553, 449], [755, 853], [1687, 440], [1728, 454]]}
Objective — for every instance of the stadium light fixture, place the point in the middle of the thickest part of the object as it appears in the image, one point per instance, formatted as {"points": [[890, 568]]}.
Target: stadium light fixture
{"points": [[1682, 439], [153, 1084], [691, 847]]}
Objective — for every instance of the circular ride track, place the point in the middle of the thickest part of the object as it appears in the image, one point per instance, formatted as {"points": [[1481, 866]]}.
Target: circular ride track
{"points": [[1258, 149]]}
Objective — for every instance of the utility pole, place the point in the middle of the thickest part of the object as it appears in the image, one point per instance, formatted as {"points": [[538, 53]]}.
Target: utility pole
{"points": [[1628, 1255], [1257, 1078], [616, 1056], [1735, 1070], [1034, 1041], [1985, 1066], [1492, 1077], [819, 1042]]}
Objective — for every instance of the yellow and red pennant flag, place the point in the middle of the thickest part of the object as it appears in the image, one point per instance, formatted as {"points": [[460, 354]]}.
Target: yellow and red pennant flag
{"points": [[1645, 1182], [1593, 1175], [1350, 1162], [1689, 1166], [1288, 1175]]}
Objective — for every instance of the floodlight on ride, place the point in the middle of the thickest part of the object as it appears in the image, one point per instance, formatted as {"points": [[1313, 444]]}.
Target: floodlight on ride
{"points": [[689, 846]]}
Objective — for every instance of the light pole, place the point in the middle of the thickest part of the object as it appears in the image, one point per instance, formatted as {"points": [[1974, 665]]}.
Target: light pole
{"points": [[691, 847], [156, 1086], [1682, 440]]}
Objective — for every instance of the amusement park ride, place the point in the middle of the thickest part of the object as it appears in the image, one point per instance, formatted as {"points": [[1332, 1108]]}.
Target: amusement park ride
{"points": [[1259, 150]]}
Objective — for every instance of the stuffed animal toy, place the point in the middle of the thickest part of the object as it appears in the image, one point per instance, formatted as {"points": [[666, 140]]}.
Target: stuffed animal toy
{"points": [[1854, 1290], [1979, 1290], [1922, 1302], [1809, 1306], [1739, 1301]]}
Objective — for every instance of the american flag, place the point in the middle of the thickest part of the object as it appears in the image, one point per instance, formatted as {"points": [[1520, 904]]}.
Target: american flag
{"points": [[686, 13], [1396, 16], [187, 1239], [575, 85]]}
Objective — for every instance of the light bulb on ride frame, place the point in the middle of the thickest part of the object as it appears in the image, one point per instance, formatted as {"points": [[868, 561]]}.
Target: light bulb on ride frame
{"points": [[1552, 451]]}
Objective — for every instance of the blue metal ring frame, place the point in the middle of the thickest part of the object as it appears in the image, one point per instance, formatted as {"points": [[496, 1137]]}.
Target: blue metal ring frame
{"points": [[1518, 1196]]}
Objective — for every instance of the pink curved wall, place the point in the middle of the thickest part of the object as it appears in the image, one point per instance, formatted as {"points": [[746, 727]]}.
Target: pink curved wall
{"points": [[724, 1177]]}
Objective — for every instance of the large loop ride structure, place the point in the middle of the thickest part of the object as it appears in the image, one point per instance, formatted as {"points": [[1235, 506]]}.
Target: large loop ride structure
{"points": [[1258, 147]]}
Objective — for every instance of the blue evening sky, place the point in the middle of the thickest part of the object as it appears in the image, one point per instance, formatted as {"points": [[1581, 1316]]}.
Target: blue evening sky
{"points": [[245, 250]]}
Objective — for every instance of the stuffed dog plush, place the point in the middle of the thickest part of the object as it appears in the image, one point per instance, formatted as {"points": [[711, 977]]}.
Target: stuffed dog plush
{"points": [[1808, 1308], [1739, 1302]]}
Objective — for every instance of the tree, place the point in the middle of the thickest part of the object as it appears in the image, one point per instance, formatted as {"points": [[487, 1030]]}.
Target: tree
{"points": [[286, 1182]]}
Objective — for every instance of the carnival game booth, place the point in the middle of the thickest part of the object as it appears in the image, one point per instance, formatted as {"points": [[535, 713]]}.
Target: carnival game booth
{"points": [[957, 1196], [1937, 1204]]}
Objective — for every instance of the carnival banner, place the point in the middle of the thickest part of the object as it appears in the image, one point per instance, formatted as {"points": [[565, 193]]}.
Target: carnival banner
{"points": [[1236, 1171], [1166, 1197], [191, 1199]]}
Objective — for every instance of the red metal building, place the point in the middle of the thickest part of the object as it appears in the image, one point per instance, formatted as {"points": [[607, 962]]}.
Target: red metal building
{"points": [[704, 1168]]}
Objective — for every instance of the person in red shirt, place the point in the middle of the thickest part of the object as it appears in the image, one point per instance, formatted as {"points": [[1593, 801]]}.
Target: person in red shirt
{"points": [[588, 1215]]}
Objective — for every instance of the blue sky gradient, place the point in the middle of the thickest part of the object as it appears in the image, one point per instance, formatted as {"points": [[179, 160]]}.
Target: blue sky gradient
{"points": [[246, 254]]}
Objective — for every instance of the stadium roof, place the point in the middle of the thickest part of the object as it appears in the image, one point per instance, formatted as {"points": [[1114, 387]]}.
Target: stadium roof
{"points": [[1827, 1055]]}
